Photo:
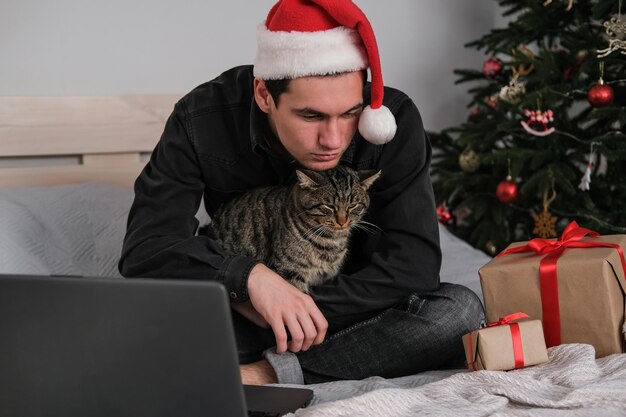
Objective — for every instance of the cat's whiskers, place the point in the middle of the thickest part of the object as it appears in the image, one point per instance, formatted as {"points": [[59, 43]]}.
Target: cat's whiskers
{"points": [[316, 230], [367, 227]]}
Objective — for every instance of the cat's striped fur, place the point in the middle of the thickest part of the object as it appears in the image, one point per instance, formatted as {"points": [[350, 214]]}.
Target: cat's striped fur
{"points": [[299, 231]]}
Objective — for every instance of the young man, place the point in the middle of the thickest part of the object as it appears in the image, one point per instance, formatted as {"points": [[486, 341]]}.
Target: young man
{"points": [[303, 105]]}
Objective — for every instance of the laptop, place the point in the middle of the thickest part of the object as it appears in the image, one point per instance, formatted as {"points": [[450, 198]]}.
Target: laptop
{"points": [[73, 346]]}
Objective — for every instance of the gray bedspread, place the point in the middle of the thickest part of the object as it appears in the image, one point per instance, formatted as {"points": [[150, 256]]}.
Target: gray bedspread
{"points": [[571, 383]]}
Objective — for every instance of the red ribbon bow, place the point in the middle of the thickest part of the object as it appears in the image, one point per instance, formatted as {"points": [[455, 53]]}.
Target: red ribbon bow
{"points": [[508, 319], [553, 249]]}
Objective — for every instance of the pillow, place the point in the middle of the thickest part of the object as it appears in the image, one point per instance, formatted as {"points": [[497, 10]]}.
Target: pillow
{"points": [[63, 230]]}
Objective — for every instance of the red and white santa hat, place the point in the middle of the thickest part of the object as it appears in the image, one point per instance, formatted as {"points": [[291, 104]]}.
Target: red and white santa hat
{"points": [[303, 38]]}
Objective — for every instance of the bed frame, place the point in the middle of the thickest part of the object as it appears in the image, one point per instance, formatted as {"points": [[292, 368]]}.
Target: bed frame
{"points": [[62, 140]]}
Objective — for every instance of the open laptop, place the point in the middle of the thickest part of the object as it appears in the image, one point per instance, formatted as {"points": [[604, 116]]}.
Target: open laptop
{"points": [[124, 347]]}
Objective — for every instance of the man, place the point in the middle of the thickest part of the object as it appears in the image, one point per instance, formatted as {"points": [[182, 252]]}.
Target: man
{"points": [[302, 104]]}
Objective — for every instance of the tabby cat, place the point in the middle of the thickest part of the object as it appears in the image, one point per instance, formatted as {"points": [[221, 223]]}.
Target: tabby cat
{"points": [[299, 231]]}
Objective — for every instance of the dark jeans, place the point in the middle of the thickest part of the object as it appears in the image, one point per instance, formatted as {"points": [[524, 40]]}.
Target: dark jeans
{"points": [[422, 333]]}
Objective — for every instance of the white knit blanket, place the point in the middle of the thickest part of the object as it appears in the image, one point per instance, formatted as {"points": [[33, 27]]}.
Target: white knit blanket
{"points": [[572, 383]]}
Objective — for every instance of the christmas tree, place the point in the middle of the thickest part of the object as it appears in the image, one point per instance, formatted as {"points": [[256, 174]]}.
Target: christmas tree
{"points": [[544, 142]]}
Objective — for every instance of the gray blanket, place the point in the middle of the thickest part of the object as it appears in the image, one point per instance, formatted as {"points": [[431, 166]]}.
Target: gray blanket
{"points": [[572, 383]]}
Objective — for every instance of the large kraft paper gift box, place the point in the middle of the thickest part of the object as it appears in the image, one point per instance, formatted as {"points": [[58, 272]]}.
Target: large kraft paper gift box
{"points": [[576, 285], [512, 342]]}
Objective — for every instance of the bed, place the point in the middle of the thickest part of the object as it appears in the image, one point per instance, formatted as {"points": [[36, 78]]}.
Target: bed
{"points": [[67, 165]]}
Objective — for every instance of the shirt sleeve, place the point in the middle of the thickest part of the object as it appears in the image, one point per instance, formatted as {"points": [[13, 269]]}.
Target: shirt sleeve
{"points": [[404, 255], [161, 239]]}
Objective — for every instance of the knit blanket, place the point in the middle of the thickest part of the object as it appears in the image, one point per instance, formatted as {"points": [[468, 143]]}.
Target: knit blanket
{"points": [[571, 383]]}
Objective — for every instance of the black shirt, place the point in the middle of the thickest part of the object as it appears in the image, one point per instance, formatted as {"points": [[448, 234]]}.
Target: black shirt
{"points": [[215, 145]]}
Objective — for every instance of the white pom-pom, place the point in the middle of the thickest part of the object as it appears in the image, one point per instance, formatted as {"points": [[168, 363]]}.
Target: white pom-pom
{"points": [[377, 126]]}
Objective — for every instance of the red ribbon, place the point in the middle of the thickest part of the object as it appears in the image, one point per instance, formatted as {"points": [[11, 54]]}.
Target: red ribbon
{"points": [[516, 338], [553, 249], [508, 319]]}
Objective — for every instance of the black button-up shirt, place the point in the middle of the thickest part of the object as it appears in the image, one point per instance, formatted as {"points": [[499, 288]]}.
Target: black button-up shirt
{"points": [[215, 145]]}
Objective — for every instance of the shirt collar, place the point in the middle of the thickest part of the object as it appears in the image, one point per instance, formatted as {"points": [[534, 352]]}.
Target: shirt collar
{"points": [[257, 135]]}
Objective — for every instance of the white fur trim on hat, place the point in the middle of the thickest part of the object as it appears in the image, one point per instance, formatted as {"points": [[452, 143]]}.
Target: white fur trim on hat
{"points": [[288, 55], [377, 126]]}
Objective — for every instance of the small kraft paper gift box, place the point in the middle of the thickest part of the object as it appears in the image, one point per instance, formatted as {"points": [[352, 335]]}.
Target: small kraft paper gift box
{"points": [[574, 284], [506, 344]]}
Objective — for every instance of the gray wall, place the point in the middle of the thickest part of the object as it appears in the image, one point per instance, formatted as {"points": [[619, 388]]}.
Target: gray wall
{"points": [[93, 47]]}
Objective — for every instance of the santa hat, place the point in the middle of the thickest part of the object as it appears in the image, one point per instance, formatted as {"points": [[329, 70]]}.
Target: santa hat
{"points": [[303, 38]]}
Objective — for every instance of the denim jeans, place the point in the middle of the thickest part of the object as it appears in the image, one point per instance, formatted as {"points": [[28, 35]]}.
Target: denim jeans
{"points": [[422, 333]]}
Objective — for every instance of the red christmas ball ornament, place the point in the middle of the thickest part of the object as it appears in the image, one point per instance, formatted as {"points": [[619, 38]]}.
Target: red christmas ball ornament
{"points": [[600, 95], [443, 215], [476, 111], [507, 191], [492, 67]]}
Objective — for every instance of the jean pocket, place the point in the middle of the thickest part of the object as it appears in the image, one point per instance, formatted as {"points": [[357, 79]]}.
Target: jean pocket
{"points": [[357, 326]]}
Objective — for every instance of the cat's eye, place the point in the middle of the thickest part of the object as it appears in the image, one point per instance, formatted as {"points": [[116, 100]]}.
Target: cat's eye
{"points": [[327, 208], [355, 207]]}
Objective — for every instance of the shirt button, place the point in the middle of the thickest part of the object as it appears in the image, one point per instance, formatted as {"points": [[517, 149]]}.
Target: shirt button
{"points": [[233, 295]]}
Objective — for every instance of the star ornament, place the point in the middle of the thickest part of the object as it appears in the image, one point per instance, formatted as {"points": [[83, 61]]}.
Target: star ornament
{"points": [[544, 224]]}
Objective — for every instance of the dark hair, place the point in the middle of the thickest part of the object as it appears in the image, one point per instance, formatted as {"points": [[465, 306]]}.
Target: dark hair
{"points": [[278, 87]]}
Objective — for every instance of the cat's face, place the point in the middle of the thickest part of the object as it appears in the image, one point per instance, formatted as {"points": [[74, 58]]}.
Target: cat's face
{"points": [[335, 199]]}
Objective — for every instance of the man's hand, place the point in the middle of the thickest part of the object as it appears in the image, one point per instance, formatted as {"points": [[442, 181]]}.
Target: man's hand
{"points": [[246, 310], [284, 307]]}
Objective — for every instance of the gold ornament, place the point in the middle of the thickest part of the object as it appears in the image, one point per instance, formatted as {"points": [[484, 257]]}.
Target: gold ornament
{"points": [[544, 224], [491, 248], [614, 28], [570, 4], [545, 221], [469, 161], [512, 93], [521, 70]]}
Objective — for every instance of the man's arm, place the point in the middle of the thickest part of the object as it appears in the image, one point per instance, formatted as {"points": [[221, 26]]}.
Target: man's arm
{"points": [[404, 257], [160, 243], [160, 240]]}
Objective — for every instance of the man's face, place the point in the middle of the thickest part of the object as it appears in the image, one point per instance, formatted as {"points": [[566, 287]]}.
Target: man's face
{"points": [[317, 117]]}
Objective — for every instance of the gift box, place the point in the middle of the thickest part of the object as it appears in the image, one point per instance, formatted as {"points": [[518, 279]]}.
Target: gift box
{"points": [[574, 284], [506, 345]]}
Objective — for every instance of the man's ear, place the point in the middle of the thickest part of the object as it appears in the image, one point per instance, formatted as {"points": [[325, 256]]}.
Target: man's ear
{"points": [[262, 97]]}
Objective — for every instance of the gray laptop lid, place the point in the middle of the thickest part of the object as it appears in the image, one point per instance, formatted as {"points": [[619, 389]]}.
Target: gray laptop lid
{"points": [[116, 347]]}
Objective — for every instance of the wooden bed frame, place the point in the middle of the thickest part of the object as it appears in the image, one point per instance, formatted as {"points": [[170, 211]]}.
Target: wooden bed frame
{"points": [[61, 140]]}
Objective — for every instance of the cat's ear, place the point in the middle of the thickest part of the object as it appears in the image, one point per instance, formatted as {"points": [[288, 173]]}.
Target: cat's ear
{"points": [[306, 179], [368, 177]]}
